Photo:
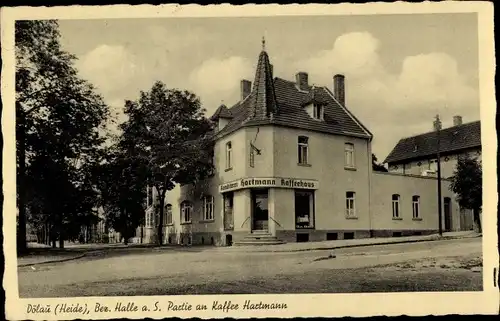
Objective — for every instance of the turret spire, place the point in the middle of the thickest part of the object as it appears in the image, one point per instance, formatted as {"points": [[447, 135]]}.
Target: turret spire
{"points": [[263, 103]]}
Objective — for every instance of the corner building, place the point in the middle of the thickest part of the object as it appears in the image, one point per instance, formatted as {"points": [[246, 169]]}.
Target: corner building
{"points": [[293, 164]]}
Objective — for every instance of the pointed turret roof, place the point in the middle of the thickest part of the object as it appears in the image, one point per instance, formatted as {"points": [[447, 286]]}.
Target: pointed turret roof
{"points": [[222, 112], [263, 98]]}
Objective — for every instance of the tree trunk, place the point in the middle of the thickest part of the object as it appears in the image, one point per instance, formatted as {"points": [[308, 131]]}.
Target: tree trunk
{"points": [[53, 236], [21, 235], [477, 221], [160, 221], [61, 233], [47, 234]]}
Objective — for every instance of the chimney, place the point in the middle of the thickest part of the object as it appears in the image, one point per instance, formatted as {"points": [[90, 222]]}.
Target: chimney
{"points": [[339, 88], [302, 80], [457, 120], [437, 124], [245, 88]]}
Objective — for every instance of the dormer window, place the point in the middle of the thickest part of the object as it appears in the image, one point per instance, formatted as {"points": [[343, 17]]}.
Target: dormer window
{"points": [[318, 112], [314, 105]]}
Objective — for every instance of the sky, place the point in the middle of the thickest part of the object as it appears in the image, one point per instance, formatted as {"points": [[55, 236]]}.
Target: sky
{"points": [[401, 70]]}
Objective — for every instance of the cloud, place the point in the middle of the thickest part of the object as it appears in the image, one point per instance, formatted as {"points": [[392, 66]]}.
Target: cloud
{"points": [[170, 38], [426, 84], [354, 55], [217, 79], [433, 79], [109, 68]]}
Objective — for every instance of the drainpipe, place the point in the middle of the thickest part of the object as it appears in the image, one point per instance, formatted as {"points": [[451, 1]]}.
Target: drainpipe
{"points": [[370, 173], [440, 209]]}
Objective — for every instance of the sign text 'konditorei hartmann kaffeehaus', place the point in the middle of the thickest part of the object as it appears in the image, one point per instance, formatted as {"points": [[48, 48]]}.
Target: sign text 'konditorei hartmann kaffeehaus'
{"points": [[277, 182]]}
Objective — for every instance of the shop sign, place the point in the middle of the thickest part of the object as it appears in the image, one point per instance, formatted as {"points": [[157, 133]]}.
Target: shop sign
{"points": [[266, 182]]}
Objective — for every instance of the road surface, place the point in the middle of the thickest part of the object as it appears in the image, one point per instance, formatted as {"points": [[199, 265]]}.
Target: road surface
{"points": [[452, 265]]}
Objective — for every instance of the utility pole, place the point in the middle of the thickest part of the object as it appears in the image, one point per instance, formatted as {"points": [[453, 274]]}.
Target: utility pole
{"points": [[440, 210]]}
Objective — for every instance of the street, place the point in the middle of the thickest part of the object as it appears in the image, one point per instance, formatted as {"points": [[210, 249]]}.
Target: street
{"points": [[447, 265]]}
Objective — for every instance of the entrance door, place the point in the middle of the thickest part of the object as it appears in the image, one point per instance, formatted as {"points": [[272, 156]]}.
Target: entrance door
{"points": [[228, 211], [447, 214], [260, 212]]}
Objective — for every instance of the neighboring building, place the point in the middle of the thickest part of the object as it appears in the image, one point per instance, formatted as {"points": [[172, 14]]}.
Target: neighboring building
{"points": [[96, 232], [292, 163], [99, 231], [417, 155]]}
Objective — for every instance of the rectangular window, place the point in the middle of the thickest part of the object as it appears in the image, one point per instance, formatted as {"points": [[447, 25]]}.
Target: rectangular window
{"points": [[318, 112], [416, 206], [302, 237], [332, 236], [350, 208], [349, 155], [304, 209], [303, 150], [229, 156], [349, 236], [396, 211], [150, 220], [168, 215], [186, 212], [208, 208]]}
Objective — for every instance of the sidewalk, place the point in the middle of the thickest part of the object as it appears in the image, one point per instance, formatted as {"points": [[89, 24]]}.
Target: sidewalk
{"points": [[44, 254], [330, 245], [40, 255]]}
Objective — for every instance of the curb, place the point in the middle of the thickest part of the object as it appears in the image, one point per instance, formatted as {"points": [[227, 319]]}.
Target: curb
{"points": [[445, 238], [54, 261], [81, 255]]}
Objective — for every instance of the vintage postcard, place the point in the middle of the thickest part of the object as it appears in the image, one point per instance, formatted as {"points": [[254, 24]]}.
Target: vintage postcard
{"points": [[249, 161]]}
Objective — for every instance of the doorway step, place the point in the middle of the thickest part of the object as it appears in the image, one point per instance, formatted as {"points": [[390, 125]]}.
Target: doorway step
{"points": [[259, 238]]}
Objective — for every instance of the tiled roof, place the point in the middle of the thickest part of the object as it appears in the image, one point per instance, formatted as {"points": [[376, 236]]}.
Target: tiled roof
{"points": [[222, 112], [284, 107], [312, 98], [452, 139]]}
